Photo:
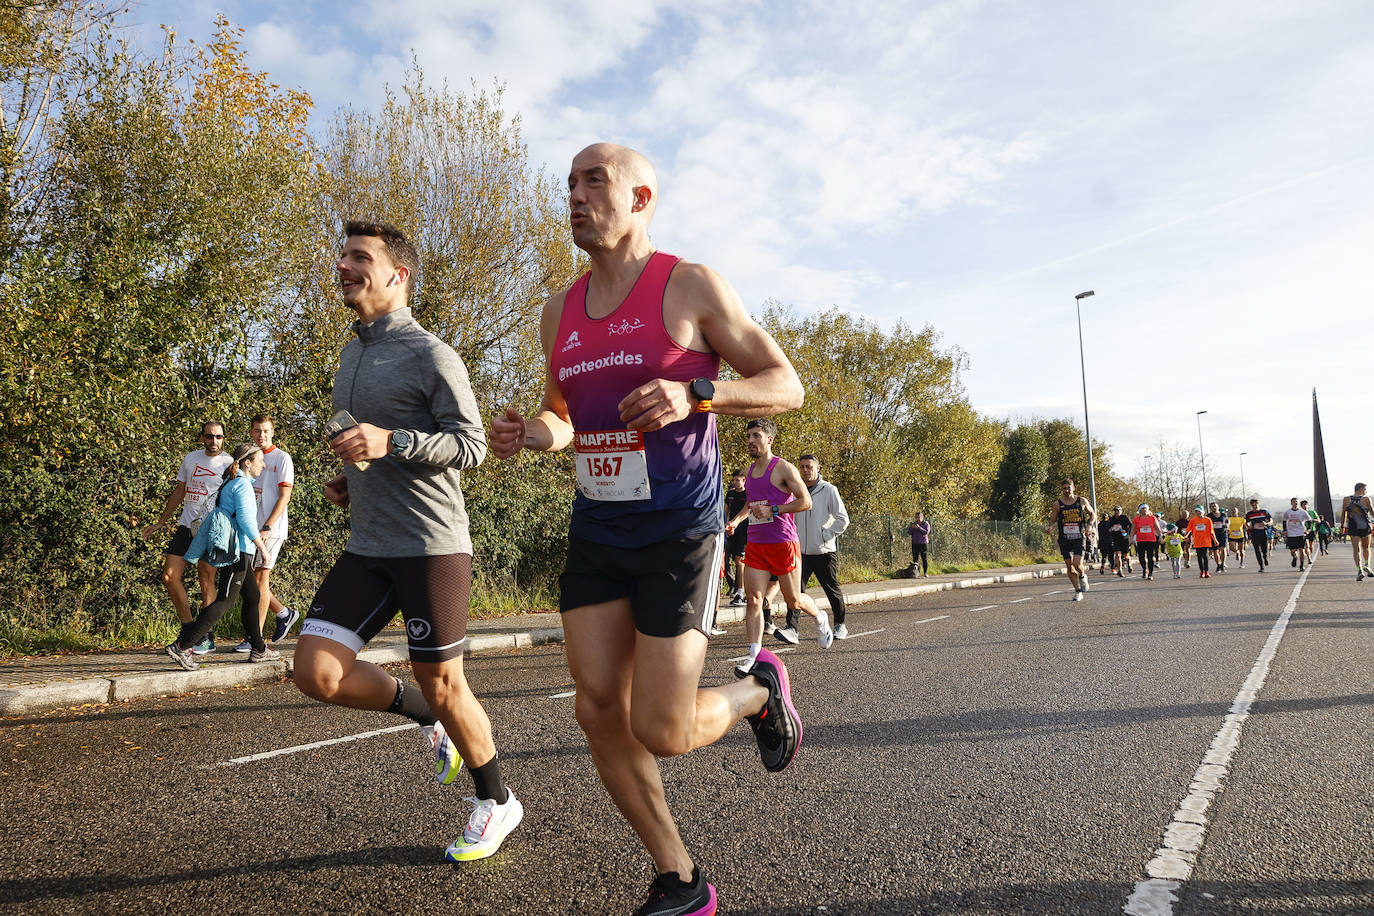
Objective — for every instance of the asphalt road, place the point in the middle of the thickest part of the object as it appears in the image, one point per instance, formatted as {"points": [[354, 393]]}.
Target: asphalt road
{"points": [[995, 750]]}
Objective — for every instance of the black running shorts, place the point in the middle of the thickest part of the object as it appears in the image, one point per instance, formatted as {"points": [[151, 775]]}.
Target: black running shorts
{"points": [[1297, 543], [361, 595], [1070, 546], [672, 586], [180, 543]]}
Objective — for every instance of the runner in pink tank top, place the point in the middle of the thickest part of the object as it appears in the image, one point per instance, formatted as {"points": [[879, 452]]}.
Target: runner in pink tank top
{"points": [[633, 348], [775, 492]]}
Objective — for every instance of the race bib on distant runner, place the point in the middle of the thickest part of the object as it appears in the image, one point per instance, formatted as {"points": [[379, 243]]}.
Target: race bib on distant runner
{"points": [[1146, 529], [1072, 531], [611, 465]]}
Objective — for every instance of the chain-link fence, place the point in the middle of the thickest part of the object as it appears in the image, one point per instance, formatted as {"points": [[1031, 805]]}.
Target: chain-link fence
{"points": [[882, 542]]}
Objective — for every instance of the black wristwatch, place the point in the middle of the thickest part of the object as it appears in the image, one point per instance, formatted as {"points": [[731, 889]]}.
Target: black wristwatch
{"points": [[702, 390], [400, 441]]}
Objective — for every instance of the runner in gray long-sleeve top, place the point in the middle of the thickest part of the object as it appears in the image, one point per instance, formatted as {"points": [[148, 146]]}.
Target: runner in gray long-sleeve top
{"points": [[409, 547]]}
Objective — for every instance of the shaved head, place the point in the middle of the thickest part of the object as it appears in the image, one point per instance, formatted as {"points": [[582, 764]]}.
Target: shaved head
{"points": [[625, 165]]}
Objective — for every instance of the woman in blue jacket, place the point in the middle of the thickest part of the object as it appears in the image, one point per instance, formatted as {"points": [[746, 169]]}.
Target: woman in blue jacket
{"points": [[237, 500]]}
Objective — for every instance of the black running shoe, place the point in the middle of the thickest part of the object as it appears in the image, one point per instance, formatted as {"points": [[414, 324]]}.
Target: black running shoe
{"points": [[777, 727], [669, 895]]}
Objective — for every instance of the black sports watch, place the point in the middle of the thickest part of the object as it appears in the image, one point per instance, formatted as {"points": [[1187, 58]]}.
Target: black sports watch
{"points": [[703, 389], [400, 441]]}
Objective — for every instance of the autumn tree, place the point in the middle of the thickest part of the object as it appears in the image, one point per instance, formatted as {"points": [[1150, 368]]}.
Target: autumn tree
{"points": [[1016, 491], [174, 191]]}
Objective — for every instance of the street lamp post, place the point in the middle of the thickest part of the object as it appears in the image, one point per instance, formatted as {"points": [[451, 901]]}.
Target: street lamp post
{"points": [[1203, 455], [1243, 492], [1083, 371]]}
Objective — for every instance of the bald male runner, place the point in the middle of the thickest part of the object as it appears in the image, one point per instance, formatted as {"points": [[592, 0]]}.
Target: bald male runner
{"points": [[634, 349]]}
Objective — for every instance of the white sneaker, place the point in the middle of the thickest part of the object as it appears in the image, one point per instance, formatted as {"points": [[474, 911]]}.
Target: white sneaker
{"points": [[768, 627], [842, 632], [447, 760], [1085, 583], [787, 635], [488, 826], [718, 631], [825, 636], [1077, 596]]}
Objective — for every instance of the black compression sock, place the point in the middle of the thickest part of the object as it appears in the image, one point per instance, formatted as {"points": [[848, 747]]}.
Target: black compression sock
{"points": [[412, 705], [487, 779]]}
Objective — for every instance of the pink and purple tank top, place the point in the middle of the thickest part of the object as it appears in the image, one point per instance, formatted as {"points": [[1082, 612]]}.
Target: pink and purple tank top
{"points": [[596, 363], [782, 528]]}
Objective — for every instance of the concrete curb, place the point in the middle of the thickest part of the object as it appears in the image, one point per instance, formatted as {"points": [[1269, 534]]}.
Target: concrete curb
{"points": [[47, 697]]}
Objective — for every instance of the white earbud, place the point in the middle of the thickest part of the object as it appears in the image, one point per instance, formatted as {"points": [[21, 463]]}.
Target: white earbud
{"points": [[395, 278]]}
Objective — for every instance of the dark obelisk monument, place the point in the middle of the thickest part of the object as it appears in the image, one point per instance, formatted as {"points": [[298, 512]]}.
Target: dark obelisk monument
{"points": [[1321, 484]]}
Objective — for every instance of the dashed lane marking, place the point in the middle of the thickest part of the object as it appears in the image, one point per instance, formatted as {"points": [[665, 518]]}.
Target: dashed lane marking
{"points": [[1019, 600], [566, 693], [871, 632], [1173, 861], [932, 619], [986, 607], [252, 758]]}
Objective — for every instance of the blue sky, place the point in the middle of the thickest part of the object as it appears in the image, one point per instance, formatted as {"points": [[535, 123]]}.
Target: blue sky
{"points": [[1207, 168]]}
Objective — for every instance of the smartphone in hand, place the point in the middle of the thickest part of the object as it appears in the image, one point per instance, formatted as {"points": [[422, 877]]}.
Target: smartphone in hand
{"points": [[338, 423]]}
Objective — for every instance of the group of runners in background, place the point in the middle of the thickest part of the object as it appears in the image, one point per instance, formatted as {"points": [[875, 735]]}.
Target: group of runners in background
{"points": [[1211, 536]]}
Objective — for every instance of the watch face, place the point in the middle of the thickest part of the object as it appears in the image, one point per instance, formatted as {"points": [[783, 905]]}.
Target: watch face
{"points": [[703, 390]]}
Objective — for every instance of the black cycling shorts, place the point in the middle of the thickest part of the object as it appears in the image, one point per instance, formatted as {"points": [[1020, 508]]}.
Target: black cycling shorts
{"points": [[1069, 546], [671, 585], [180, 542], [361, 595]]}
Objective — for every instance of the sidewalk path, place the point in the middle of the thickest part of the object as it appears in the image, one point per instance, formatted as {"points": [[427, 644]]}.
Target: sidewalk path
{"points": [[42, 683]]}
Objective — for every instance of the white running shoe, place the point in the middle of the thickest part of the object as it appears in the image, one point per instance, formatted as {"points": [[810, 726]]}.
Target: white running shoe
{"points": [[825, 636], [488, 826], [447, 760], [1077, 596], [1085, 583], [842, 632], [768, 627], [787, 635]]}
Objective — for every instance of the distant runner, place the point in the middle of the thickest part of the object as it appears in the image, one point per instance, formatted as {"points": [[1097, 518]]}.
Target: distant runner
{"points": [[1259, 522], [1204, 540], [1069, 517], [1146, 531], [1295, 522], [1357, 520], [1235, 531]]}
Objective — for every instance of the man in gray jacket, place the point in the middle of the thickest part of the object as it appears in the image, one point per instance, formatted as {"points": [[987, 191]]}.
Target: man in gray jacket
{"points": [[818, 527], [409, 548]]}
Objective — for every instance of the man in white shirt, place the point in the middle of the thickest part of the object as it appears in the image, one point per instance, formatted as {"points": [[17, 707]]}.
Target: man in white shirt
{"points": [[198, 482], [273, 490], [1295, 531]]}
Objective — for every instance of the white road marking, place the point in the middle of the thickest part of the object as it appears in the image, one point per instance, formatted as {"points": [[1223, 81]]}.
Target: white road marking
{"points": [[559, 696], [1019, 600], [1057, 591], [1173, 861], [310, 747], [986, 607], [930, 619]]}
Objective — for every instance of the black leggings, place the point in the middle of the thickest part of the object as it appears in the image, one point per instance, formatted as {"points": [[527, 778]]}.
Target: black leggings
{"points": [[1202, 554], [1148, 552], [230, 583], [1260, 543]]}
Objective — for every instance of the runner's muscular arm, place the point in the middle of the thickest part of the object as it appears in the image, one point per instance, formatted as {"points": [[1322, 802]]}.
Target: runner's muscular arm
{"points": [[551, 428], [702, 312], [785, 477]]}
